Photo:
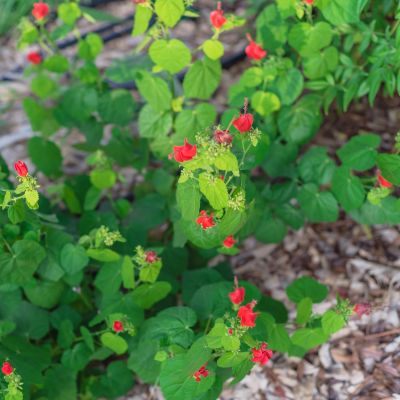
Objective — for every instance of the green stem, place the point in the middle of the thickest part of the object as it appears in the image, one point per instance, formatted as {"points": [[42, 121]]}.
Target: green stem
{"points": [[5, 241], [93, 334], [45, 47], [395, 26], [173, 96], [113, 206], [208, 325]]}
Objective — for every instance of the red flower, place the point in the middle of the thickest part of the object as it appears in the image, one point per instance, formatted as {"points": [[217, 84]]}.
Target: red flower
{"points": [[7, 368], [229, 241], [205, 221], [34, 58], [223, 136], [221, 177], [21, 168], [309, 1], [383, 181], [216, 17], [262, 355], [237, 296], [230, 331], [253, 50], [118, 327], [362, 308], [151, 256], [183, 153], [40, 10], [202, 371], [244, 122], [139, 1], [246, 315]]}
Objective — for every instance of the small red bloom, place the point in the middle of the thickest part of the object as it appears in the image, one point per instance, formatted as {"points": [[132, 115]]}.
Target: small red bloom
{"points": [[246, 315], [262, 355], [40, 10], [183, 153], [139, 1], [21, 168], [34, 58], [118, 327], [309, 1], [202, 371], [7, 368], [205, 221], [230, 331], [151, 256], [383, 181], [244, 122], [229, 241], [362, 308], [253, 50], [221, 136], [237, 296], [216, 17], [221, 177]]}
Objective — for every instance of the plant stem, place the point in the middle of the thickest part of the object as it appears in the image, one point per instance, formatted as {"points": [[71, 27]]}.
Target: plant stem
{"points": [[5, 241], [113, 206], [208, 325], [173, 96], [395, 26]]}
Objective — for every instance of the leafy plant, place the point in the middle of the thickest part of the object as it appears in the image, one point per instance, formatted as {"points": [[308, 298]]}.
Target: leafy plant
{"points": [[86, 276]]}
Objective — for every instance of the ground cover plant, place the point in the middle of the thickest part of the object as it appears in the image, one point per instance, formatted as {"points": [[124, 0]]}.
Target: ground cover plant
{"points": [[90, 291]]}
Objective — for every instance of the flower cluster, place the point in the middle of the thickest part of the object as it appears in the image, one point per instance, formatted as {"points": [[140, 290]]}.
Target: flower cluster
{"points": [[103, 234], [261, 355]]}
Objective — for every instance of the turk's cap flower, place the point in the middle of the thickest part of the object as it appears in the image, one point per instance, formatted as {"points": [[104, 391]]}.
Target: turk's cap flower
{"points": [[247, 316], [34, 57], [21, 168], [183, 153], [7, 369], [118, 327], [40, 10], [383, 181], [201, 372], [216, 17], [362, 308], [205, 221], [151, 256], [261, 355], [244, 122], [229, 241], [253, 50]]}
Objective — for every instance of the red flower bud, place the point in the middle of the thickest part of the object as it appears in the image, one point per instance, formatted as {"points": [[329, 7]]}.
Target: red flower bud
{"points": [[237, 296], [383, 181], [309, 1], [362, 308], [229, 241], [40, 10], [118, 327], [216, 17], [34, 58], [205, 221], [138, 1], [223, 136], [7, 368], [21, 168], [221, 177], [244, 122], [183, 153], [230, 331], [246, 315], [253, 50], [151, 256], [202, 371], [261, 355]]}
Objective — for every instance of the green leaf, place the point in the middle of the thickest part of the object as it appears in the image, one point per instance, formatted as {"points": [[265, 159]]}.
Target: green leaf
{"points": [[288, 85], [150, 272], [188, 196], [241, 370], [65, 336], [215, 191], [278, 339], [230, 342], [45, 294], [155, 90], [389, 165], [232, 222], [304, 310], [204, 238], [231, 359], [198, 354], [114, 342], [265, 103], [79, 102], [307, 39], [299, 123], [347, 189], [73, 258], [212, 301], [42, 86], [104, 255], [116, 107], [316, 166], [69, 12], [90, 47], [214, 392], [102, 179], [306, 287], [290, 215], [332, 322], [16, 212], [383, 213], [202, 79], [127, 273], [87, 337], [169, 11], [56, 63], [92, 198], [162, 181], [317, 206], [109, 280], [271, 30], [171, 55], [126, 69], [49, 165], [77, 358], [6, 327], [270, 230], [148, 294], [176, 386], [141, 20], [173, 324], [359, 152], [60, 383], [154, 125], [213, 49], [316, 65], [308, 338], [94, 15], [274, 307], [190, 122], [339, 12], [215, 336]]}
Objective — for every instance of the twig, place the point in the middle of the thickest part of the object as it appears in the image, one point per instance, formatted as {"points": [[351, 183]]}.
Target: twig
{"points": [[375, 335]]}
